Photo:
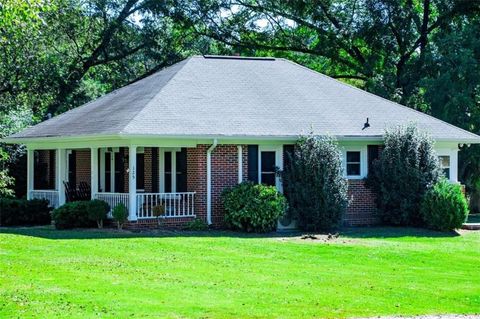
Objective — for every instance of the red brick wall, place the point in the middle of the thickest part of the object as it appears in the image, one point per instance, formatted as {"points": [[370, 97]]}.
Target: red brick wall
{"points": [[224, 175], [197, 178], [362, 209], [83, 166]]}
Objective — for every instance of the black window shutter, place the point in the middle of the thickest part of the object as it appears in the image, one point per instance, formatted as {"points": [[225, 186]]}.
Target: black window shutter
{"points": [[51, 167], [253, 163], [181, 168], [372, 155], [155, 170], [287, 155], [140, 171], [72, 168]]}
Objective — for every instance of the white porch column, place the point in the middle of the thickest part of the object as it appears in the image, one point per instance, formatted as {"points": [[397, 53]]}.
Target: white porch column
{"points": [[132, 182], [30, 168], [93, 171], [60, 175]]}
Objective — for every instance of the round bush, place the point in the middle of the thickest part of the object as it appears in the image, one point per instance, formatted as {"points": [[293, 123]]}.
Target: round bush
{"points": [[253, 208], [444, 207], [72, 215]]}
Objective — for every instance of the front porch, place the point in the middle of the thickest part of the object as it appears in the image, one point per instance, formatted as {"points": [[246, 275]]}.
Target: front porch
{"points": [[138, 177]]}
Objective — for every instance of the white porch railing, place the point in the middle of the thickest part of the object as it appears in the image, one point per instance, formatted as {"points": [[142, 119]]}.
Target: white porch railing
{"points": [[113, 199], [50, 195], [176, 204]]}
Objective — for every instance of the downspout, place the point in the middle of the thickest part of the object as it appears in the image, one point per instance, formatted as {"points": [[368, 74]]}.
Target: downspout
{"points": [[209, 181]]}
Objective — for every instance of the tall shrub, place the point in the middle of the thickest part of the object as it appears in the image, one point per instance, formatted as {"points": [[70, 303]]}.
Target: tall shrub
{"points": [[407, 168], [314, 184]]}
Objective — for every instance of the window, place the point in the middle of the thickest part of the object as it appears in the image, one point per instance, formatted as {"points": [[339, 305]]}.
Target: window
{"points": [[267, 165], [445, 165], [353, 163]]}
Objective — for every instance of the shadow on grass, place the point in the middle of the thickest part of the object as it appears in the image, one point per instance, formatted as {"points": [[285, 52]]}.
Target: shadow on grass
{"points": [[49, 232], [395, 232]]}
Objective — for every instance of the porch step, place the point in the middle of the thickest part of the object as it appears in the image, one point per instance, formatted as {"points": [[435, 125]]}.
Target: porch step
{"points": [[471, 226]]}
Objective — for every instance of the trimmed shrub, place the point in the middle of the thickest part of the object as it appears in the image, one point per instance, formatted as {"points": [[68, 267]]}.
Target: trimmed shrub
{"points": [[407, 168], [120, 214], [444, 207], [314, 184], [253, 208], [72, 215], [22, 212], [196, 225], [97, 211]]}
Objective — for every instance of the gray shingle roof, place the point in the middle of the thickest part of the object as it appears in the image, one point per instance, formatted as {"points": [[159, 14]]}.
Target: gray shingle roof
{"points": [[215, 96]]}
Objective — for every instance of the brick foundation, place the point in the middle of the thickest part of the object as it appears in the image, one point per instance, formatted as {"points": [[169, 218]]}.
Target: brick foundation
{"points": [[151, 223]]}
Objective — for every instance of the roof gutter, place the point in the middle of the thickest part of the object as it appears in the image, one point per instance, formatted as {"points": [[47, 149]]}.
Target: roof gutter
{"points": [[209, 181]]}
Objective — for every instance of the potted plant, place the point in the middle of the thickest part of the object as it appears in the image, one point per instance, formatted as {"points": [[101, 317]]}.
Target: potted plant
{"points": [[158, 211]]}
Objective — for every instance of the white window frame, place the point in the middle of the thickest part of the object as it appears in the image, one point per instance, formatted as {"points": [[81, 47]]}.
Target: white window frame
{"points": [[363, 161], [453, 154], [278, 149]]}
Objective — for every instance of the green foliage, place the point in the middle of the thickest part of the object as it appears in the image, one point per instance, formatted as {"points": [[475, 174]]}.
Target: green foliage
{"points": [[120, 214], [253, 208], [22, 212], [314, 184], [444, 207], [408, 167], [197, 224], [72, 215], [97, 211]]}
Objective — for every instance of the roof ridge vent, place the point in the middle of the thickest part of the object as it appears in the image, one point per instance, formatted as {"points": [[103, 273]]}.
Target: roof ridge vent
{"points": [[234, 57]]}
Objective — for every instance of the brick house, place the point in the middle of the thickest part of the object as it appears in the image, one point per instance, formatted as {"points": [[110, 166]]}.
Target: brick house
{"points": [[182, 135]]}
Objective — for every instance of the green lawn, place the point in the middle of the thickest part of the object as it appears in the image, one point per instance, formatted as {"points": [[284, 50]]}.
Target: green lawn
{"points": [[46, 273]]}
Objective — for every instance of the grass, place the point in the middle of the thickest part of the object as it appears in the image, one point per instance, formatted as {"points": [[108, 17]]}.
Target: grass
{"points": [[46, 273]]}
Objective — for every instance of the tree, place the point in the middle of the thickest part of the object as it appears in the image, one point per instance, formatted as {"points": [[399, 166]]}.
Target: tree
{"points": [[380, 44], [58, 54], [314, 184]]}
